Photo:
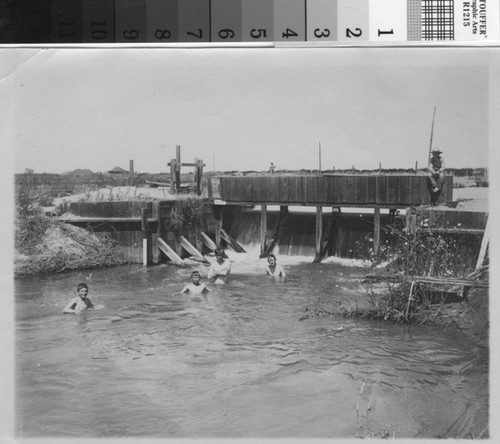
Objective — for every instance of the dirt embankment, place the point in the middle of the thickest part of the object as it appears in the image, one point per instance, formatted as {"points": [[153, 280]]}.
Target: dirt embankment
{"points": [[470, 316], [64, 247]]}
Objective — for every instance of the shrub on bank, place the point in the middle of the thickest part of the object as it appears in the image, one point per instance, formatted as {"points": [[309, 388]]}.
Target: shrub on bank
{"points": [[420, 253]]}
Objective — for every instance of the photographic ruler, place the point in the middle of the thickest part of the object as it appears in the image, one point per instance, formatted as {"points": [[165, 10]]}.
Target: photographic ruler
{"points": [[247, 21]]}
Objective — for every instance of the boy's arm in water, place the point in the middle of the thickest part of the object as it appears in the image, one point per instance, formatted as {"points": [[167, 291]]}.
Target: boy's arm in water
{"points": [[211, 272], [225, 269], [185, 289], [71, 307]]}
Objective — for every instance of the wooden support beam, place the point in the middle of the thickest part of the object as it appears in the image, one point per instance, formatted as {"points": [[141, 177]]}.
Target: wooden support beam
{"points": [[319, 232], [376, 231], [411, 221], [178, 207], [131, 174], [177, 167], [171, 254], [208, 242], [217, 212], [484, 246], [438, 280], [158, 234], [198, 230], [178, 154], [198, 175], [147, 257], [231, 242], [218, 228], [263, 229], [191, 249], [172, 165]]}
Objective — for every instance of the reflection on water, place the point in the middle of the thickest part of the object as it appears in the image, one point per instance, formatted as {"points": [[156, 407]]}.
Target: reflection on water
{"points": [[236, 362]]}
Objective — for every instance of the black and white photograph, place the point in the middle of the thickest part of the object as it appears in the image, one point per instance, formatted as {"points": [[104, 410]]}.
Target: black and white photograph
{"points": [[248, 243]]}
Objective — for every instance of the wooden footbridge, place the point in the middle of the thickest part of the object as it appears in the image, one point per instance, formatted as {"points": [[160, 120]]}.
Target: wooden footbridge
{"points": [[376, 191]]}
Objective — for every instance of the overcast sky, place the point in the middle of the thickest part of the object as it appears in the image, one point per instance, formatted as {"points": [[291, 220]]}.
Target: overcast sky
{"points": [[64, 109]]}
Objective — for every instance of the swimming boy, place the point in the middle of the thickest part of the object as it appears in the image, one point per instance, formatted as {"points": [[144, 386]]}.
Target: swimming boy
{"points": [[220, 268], [273, 269], [196, 287], [80, 302]]}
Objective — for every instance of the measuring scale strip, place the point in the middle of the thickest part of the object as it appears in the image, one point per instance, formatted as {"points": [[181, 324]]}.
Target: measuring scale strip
{"points": [[252, 21]]}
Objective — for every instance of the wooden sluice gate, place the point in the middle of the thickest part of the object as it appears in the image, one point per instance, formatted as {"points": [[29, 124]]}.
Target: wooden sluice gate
{"points": [[375, 191], [151, 231]]}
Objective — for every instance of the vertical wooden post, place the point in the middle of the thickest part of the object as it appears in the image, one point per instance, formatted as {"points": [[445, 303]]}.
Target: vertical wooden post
{"points": [[319, 157], [198, 229], [177, 234], [218, 227], [172, 176], [178, 153], [263, 229], [411, 221], [198, 174], [319, 232], [177, 167], [376, 231], [156, 214], [416, 166], [217, 210], [131, 173], [146, 237], [484, 246]]}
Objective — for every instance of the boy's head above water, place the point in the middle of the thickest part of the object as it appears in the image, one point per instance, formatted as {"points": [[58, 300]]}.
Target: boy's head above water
{"points": [[82, 289], [195, 276], [220, 255], [271, 259]]}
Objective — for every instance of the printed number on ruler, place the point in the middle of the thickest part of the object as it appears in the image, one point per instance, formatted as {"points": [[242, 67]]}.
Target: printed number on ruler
{"points": [[258, 33], [162, 34], [198, 34], [99, 30], [357, 32], [226, 34], [289, 33], [318, 33]]}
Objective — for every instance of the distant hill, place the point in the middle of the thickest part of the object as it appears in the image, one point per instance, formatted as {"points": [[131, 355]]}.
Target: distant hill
{"points": [[78, 172]]}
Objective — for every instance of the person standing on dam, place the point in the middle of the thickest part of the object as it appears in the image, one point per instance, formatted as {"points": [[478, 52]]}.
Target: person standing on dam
{"points": [[436, 175]]}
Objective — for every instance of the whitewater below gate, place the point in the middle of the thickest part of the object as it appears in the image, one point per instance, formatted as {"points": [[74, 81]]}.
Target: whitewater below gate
{"points": [[252, 358]]}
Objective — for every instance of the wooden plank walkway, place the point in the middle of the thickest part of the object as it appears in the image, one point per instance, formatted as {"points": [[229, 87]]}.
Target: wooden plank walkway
{"points": [[111, 220], [437, 280]]}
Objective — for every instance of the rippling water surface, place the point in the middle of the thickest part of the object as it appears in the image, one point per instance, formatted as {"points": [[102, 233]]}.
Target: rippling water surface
{"points": [[240, 361]]}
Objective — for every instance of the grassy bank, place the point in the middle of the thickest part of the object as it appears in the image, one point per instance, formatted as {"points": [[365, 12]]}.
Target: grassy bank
{"points": [[44, 245]]}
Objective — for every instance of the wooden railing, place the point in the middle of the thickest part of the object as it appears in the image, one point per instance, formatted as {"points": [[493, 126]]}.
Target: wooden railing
{"points": [[348, 190]]}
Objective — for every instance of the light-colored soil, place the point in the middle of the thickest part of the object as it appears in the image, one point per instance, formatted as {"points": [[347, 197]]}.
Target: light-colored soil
{"points": [[472, 199]]}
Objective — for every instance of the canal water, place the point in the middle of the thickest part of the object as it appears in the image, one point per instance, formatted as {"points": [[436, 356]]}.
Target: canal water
{"points": [[253, 358]]}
